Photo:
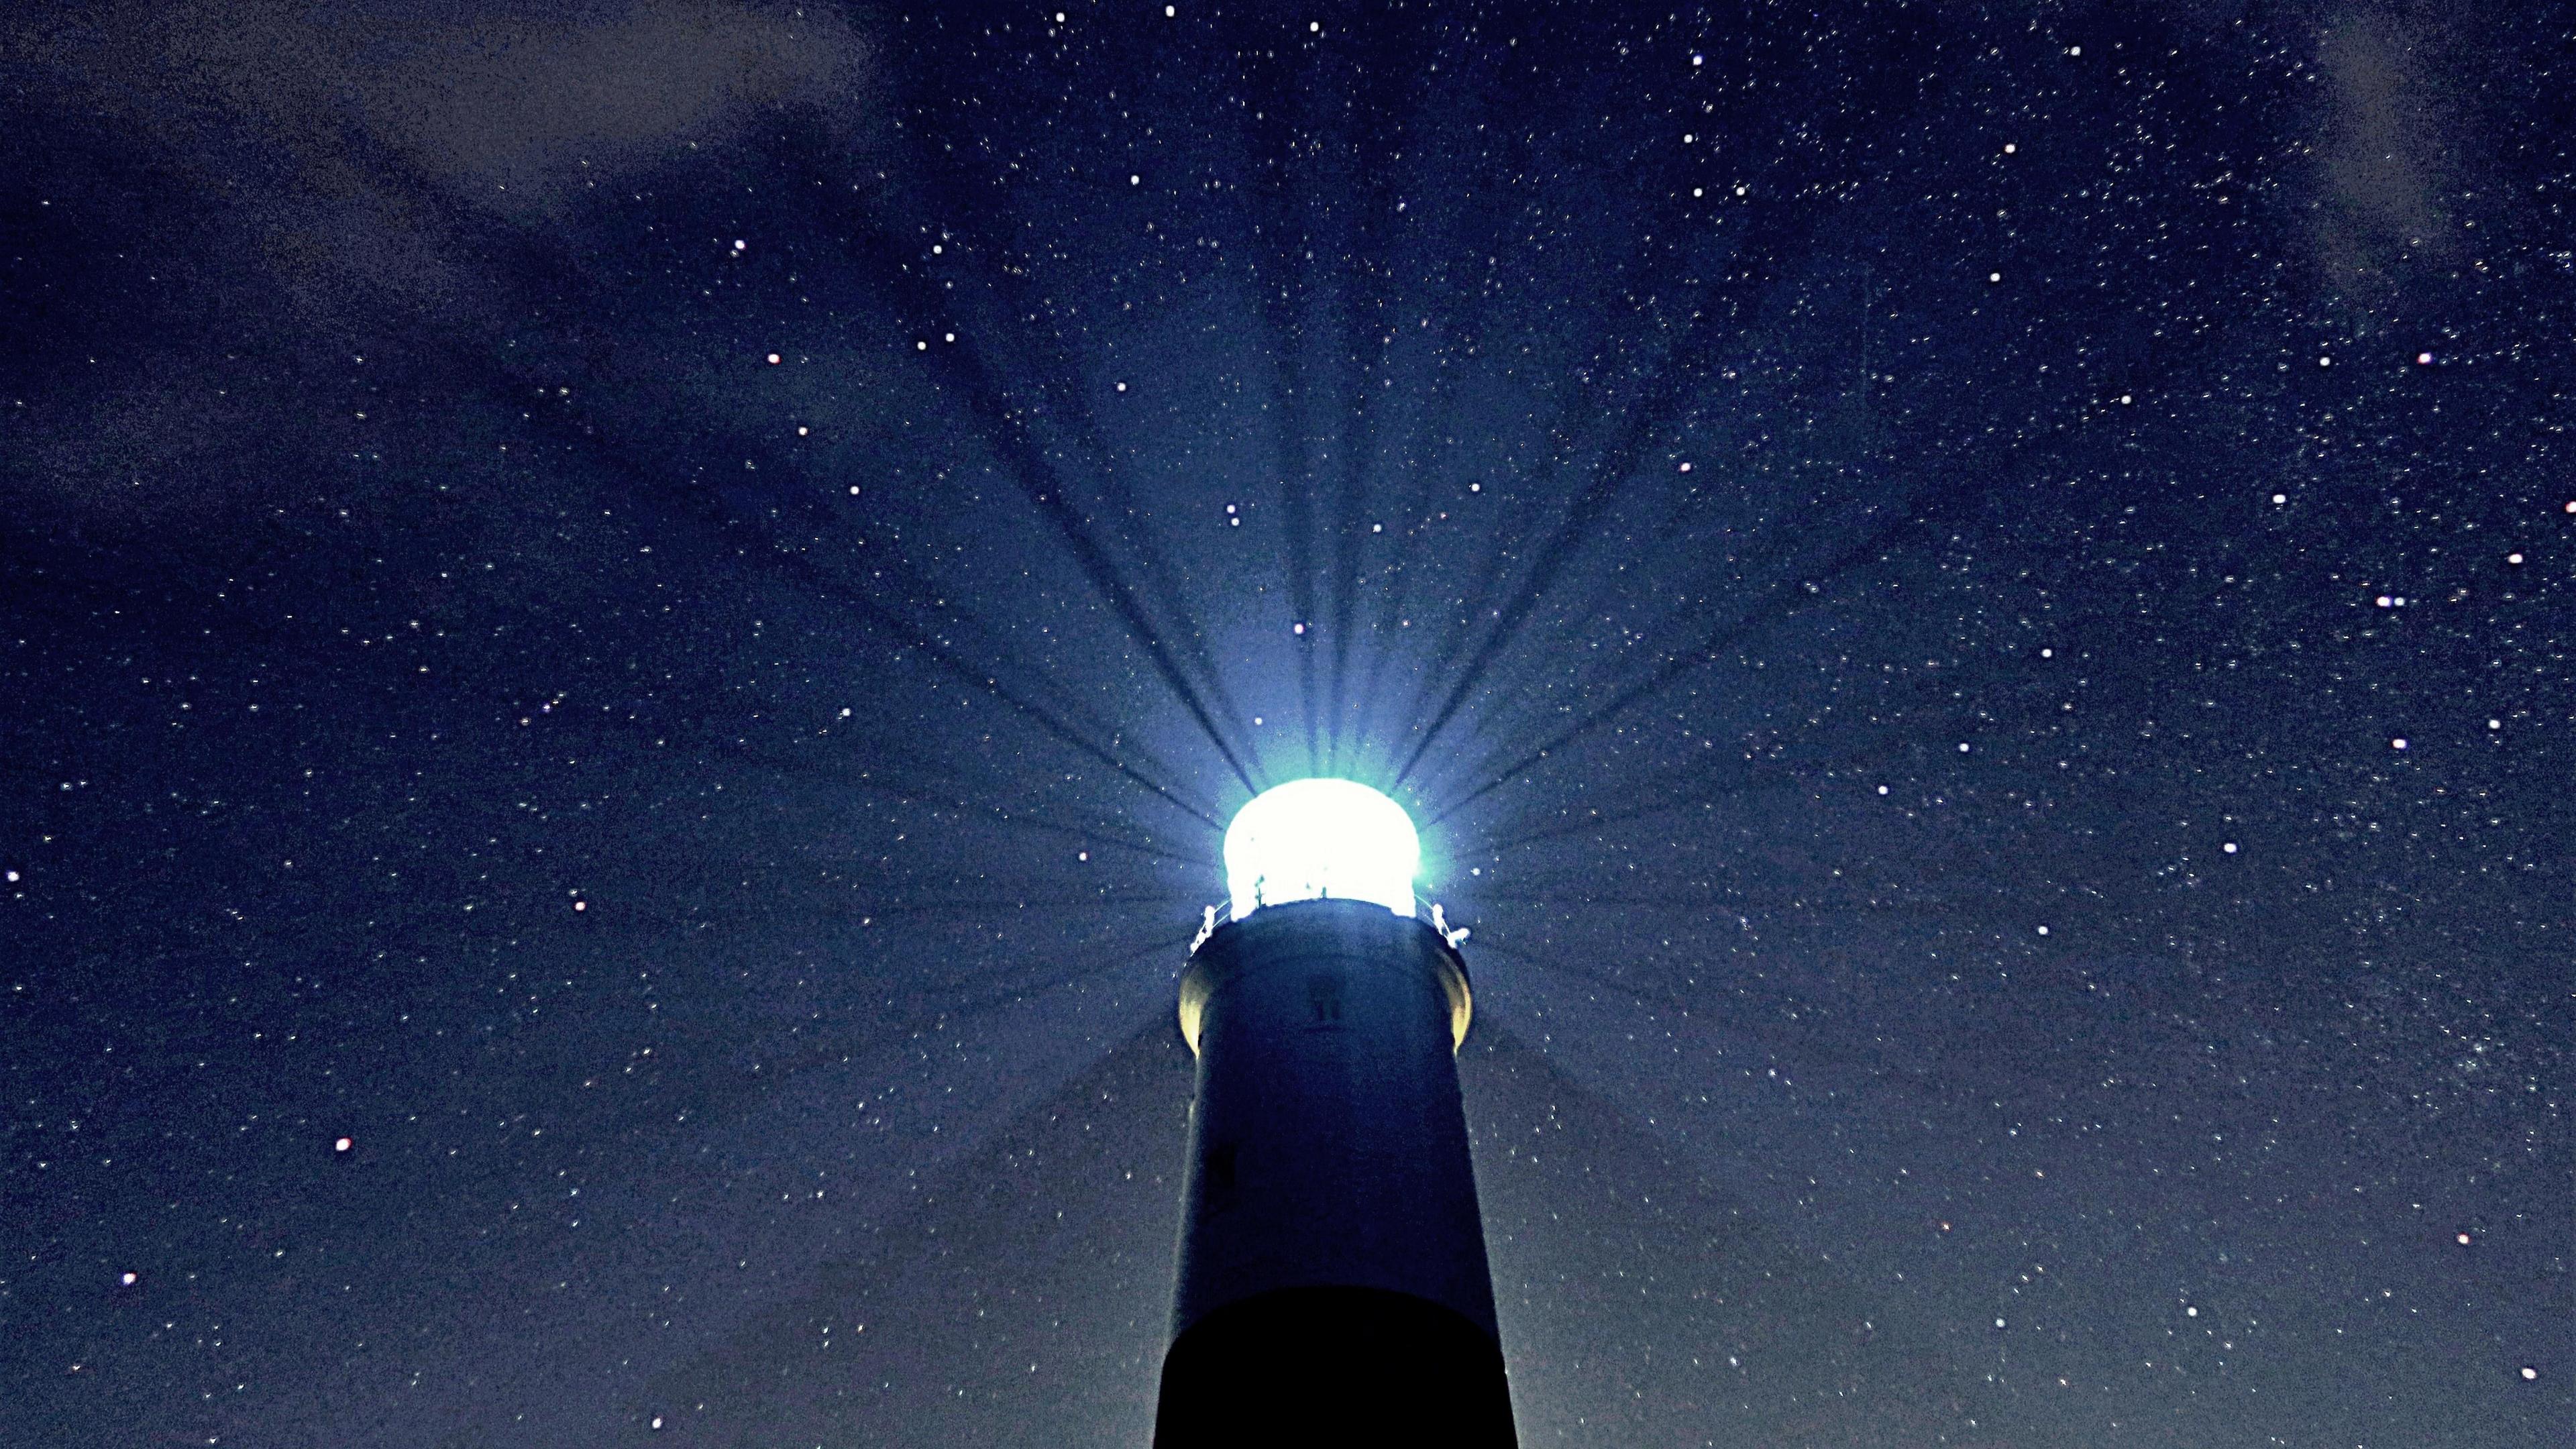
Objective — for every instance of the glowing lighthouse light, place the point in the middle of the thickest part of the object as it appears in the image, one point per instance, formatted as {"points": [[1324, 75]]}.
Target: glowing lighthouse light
{"points": [[1309, 839]]}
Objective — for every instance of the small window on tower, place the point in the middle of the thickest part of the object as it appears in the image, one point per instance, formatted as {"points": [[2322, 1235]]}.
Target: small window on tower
{"points": [[1324, 993]]}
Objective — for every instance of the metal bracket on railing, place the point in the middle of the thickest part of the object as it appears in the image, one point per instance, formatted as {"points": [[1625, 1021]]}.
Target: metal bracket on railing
{"points": [[1440, 923]]}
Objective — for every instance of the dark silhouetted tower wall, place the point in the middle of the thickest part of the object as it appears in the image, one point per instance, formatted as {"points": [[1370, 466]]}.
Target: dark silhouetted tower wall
{"points": [[1333, 1287]]}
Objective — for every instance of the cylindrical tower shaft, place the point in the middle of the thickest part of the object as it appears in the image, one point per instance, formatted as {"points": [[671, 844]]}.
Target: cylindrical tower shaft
{"points": [[1333, 1286]]}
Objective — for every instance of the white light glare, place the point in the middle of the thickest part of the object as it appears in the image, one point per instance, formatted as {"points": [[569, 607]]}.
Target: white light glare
{"points": [[1311, 839]]}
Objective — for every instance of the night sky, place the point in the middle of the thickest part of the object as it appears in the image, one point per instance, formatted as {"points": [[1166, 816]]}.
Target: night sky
{"points": [[626, 631]]}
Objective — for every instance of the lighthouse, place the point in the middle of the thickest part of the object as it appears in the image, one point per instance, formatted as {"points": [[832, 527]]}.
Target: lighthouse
{"points": [[1332, 1285]]}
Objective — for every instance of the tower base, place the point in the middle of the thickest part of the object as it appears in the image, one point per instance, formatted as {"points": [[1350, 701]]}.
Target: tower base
{"points": [[1347, 1368]]}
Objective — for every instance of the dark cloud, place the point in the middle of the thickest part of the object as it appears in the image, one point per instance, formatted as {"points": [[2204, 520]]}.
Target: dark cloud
{"points": [[303, 187], [515, 107], [2389, 154]]}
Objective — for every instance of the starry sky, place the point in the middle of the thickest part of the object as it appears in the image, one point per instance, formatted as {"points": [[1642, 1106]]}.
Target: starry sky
{"points": [[626, 630]]}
